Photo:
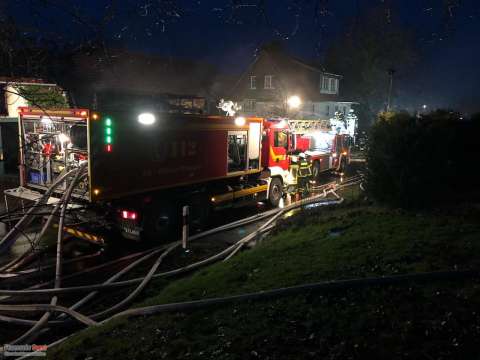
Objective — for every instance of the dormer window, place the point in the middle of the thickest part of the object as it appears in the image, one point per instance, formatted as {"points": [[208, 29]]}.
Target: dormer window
{"points": [[269, 82], [325, 83], [333, 85], [253, 82], [328, 85]]}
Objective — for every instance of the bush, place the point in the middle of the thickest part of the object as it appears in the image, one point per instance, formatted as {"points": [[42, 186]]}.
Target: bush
{"points": [[422, 162]]}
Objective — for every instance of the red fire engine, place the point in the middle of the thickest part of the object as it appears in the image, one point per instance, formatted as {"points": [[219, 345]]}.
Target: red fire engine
{"points": [[287, 140], [144, 166]]}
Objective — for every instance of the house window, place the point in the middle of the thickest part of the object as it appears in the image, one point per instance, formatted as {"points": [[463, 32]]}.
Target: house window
{"points": [[249, 105], [333, 85], [325, 83], [253, 82], [327, 112], [329, 85], [269, 82]]}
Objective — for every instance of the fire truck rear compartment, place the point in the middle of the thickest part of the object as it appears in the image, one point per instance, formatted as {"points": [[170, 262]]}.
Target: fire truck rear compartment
{"points": [[50, 145]]}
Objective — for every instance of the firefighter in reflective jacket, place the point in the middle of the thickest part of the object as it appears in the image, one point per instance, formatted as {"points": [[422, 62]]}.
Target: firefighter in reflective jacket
{"points": [[304, 173]]}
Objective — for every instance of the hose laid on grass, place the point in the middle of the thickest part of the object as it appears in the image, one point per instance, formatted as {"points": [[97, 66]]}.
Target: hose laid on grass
{"points": [[32, 271], [232, 249], [12, 236], [17, 321], [16, 263], [285, 291], [206, 302], [33, 331], [138, 289], [49, 308], [292, 290], [117, 276], [225, 227], [24, 322], [124, 283], [254, 234]]}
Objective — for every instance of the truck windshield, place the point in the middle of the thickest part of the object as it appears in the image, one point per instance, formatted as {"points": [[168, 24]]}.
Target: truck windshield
{"points": [[280, 139]]}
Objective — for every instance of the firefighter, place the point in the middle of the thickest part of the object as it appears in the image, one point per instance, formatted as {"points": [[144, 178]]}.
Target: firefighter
{"points": [[304, 173]]}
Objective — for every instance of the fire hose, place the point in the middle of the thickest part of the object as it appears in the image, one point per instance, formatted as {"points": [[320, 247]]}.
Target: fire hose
{"points": [[164, 274], [33, 331], [12, 236], [232, 249]]}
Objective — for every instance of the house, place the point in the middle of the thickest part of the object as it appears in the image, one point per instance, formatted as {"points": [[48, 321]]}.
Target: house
{"points": [[274, 77]]}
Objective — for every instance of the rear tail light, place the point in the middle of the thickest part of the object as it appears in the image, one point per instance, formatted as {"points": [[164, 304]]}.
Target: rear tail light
{"points": [[129, 215]]}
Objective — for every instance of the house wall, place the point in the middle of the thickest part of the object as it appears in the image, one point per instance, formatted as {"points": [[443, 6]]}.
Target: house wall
{"points": [[260, 69], [13, 101], [290, 77]]}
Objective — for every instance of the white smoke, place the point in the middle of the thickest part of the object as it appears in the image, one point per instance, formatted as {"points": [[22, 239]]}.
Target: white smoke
{"points": [[229, 107]]}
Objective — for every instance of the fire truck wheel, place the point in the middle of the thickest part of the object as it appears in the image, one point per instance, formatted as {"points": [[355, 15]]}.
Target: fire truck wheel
{"points": [[275, 192], [315, 169]]}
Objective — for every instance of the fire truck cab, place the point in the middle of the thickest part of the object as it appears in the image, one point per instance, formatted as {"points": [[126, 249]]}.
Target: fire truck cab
{"points": [[286, 141]]}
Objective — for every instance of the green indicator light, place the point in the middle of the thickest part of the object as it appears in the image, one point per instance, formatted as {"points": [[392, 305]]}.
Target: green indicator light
{"points": [[108, 131], [108, 122], [108, 139]]}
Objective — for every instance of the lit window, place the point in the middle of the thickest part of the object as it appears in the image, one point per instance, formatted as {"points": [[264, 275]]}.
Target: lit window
{"points": [[253, 82], [269, 82]]}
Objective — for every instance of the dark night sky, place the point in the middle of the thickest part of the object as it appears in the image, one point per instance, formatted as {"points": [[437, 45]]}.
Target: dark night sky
{"points": [[445, 76]]}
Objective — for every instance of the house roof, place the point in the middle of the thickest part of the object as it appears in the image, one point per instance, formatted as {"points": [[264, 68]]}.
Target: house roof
{"points": [[294, 76]]}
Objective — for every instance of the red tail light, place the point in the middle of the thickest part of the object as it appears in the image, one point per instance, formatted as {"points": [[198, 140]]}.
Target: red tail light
{"points": [[129, 215]]}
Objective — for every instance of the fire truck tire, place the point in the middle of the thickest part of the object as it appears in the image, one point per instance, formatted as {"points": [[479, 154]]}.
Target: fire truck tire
{"points": [[275, 192], [315, 169]]}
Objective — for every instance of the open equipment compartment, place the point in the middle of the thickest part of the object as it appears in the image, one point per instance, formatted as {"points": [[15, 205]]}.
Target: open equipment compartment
{"points": [[52, 142]]}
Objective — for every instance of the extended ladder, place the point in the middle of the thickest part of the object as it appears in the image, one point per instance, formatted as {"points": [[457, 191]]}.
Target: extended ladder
{"points": [[304, 126]]}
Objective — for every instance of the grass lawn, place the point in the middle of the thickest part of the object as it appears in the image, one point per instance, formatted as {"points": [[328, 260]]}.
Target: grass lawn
{"points": [[413, 321]]}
